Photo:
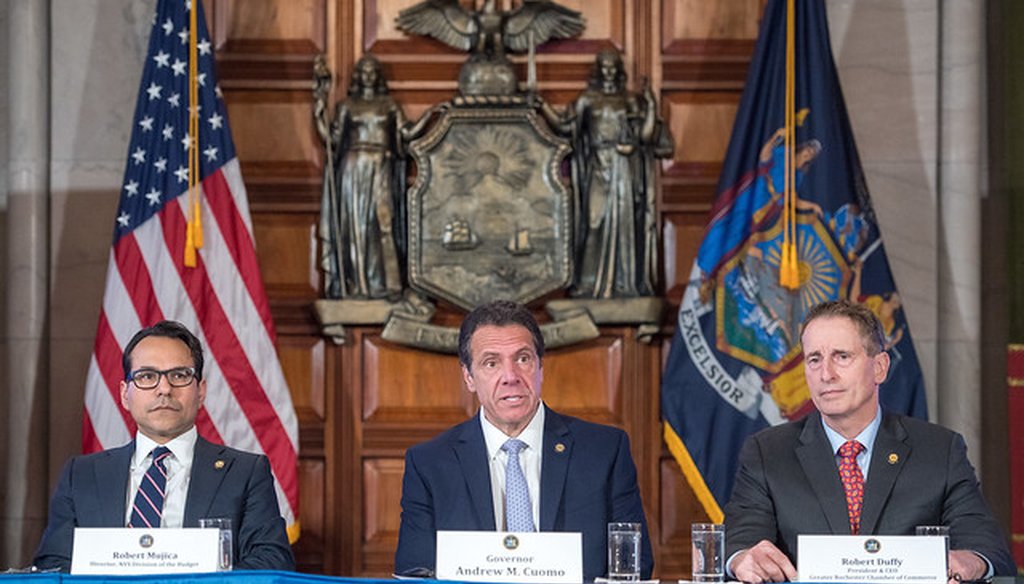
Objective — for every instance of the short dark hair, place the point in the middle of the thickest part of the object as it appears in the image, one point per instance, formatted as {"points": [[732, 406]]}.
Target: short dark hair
{"points": [[498, 313], [169, 329], [871, 332]]}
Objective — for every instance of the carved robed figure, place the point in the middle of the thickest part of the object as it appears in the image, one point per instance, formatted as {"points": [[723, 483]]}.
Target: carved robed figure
{"points": [[617, 137], [362, 222]]}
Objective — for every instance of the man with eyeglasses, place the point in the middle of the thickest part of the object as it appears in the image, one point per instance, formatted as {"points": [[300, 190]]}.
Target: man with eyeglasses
{"points": [[169, 476]]}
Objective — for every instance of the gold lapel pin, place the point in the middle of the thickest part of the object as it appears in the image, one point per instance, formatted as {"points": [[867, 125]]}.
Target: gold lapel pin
{"points": [[218, 465], [893, 458], [559, 447]]}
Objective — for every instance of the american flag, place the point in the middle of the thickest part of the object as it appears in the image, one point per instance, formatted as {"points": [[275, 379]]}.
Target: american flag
{"points": [[221, 299]]}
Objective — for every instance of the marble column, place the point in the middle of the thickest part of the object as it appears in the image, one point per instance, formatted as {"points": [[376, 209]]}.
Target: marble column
{"points": [[26, 485], [962, 185]]}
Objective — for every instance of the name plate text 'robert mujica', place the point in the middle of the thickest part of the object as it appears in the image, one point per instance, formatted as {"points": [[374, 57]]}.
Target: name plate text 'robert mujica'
{"points": [[118, 551]]}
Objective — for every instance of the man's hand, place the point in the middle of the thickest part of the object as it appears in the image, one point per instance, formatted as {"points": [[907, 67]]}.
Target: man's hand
{"points": [[966, 565], [763, 563]]}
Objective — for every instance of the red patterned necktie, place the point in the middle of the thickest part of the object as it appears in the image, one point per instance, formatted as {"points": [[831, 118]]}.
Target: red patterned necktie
{"points": [[853, 481]]}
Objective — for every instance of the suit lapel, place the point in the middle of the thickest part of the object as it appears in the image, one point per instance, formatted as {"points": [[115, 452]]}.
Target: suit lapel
{"points": [[889, 454], [819, 464], [558, 444], [112, 480], [471, 451], [207, 475]]}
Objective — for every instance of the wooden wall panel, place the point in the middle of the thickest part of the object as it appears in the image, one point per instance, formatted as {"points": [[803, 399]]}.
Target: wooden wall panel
{"points": [[381, 35], [267, 21], [707, 116], [701, 123], [707, 45], [382, 477], [290, 264], [586, 380], [699, 20], [302, 360], [310, 549], [679, 508], [405, 385], [680, 236], [274, 125], [268, 43]]}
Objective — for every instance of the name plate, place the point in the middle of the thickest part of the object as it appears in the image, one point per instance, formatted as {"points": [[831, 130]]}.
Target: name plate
{"points": [[121, 550], [872, 558], [494, 556]]}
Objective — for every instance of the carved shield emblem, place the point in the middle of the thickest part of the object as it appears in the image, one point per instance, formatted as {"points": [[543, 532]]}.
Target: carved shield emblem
{"points": [[489, 213]]}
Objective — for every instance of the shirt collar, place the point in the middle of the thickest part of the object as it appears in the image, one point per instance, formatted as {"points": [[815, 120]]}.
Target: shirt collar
{"points": [[182, 447], [532, 435], [866, 437]]}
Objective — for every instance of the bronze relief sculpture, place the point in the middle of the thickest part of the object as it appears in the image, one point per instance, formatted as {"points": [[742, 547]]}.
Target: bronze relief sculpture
{"points": [[512, 199]]}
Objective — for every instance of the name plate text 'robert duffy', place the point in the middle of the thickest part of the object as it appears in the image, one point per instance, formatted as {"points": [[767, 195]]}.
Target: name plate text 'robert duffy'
{"points": [[872, 558], [494, 556], [118, 551]]}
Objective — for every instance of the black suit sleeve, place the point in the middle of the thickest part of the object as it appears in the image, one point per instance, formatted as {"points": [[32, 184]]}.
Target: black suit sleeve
{"points": [[261, 533], [55, 547], [750, 512], [971, 525]]}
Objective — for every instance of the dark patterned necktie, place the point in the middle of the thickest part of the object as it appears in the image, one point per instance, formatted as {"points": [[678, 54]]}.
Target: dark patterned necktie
{"points": [[148, 507], [853, 481], [518, 510]]}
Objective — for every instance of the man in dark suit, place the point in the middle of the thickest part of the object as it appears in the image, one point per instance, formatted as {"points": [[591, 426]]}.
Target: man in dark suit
{"points": [[163, 389], [850, 468], [579, 476]]}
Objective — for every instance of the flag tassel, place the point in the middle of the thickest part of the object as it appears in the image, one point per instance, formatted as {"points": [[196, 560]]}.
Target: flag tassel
{"points": [[789, 271], [194, 225]]}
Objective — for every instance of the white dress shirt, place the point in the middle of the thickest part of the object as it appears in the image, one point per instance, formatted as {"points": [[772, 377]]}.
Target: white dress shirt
{"points": [[179, 471], [529, 458]]}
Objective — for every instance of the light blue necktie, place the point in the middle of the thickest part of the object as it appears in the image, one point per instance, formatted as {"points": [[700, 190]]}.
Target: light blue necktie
{"points": [[518, 510]]}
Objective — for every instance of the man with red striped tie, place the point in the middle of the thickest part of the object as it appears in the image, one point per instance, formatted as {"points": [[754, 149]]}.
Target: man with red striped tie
{"points": [[852, 468], [169, 476]]}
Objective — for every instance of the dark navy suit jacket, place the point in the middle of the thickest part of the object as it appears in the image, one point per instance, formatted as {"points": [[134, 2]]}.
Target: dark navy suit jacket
{"points": [[587, 480], [93, 492], [788, 484]]}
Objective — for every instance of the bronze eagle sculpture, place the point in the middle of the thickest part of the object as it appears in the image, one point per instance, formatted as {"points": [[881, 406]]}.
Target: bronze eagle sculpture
{"points": [[489, 31]]}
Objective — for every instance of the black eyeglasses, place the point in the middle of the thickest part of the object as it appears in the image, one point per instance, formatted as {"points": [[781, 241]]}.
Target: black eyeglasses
{"points": [[150, 378]]}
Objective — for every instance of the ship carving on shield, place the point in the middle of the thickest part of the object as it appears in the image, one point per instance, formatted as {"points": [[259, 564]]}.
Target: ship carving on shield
{"points": [[489, 213], [459, 236]]}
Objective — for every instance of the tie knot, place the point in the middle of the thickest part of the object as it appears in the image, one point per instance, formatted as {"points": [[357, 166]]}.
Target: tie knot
{"points": [[850, 449], [513, 446], [159, 454]]}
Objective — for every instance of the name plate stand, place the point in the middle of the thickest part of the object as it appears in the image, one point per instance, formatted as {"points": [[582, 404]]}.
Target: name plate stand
{"points": [[494, 556], [872, 558], [125, 551]]}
